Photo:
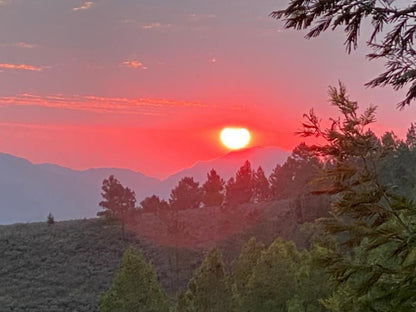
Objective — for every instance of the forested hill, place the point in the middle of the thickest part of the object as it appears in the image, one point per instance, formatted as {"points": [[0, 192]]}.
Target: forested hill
{"points": [[65, 266]]}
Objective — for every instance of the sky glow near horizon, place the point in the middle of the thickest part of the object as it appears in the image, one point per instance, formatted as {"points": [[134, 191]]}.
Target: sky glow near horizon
{"points": [[148, 85]]}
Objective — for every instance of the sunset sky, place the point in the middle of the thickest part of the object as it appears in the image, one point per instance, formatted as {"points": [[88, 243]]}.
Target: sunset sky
{"points": [[149, 84]]}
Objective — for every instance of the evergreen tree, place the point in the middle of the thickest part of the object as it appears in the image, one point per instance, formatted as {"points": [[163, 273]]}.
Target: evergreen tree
{"points": [[135, 288], [261, 187], [207, 290], [50, 219], [213, 189], [186, 195], [375, 266], [240, 189], [276, 182], [294, 177], [396, 46], [411, 137], [242, 269], [272, 283], [153, 204], [118, 201]]}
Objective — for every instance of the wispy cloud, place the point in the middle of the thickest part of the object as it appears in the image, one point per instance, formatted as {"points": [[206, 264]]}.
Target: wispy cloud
{"points": [[20, 67], [85, 6], [156, 25], [134, 64], [97, 104], [21, 44]]}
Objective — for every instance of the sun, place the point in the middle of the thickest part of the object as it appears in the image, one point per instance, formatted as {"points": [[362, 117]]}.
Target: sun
{"points": [[235, 138]]}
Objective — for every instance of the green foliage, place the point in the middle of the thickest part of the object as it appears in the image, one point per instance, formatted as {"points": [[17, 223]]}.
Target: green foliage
{"points": [[213, 189], [374, 267], [272, 282], [50, 219], [135, 288], [208, 290], [242, 269], [396, 46], [186, 195]]}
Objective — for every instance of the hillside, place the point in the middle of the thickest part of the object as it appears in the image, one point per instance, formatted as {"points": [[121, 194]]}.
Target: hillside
{"points": [[65, 266]]}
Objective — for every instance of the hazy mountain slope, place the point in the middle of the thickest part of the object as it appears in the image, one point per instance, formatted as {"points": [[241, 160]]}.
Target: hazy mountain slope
{"points": [[226, 166], [28, 192]]}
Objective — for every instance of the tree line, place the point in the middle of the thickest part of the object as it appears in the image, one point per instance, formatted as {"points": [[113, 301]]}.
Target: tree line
{"points": [[247, 186]]}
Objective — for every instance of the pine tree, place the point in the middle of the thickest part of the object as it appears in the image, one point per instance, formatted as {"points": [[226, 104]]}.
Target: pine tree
{"points": [[50, 219], [118, 201], [135, 288], [207, 290], [153, 204], [213, 189], [242, 269], [273, 281], [261, 187], [239, 190], [375, 266], [186, 195]]}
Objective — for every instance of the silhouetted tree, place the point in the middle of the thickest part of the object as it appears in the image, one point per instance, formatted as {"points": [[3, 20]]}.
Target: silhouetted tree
{"points": [[276, 181], [213, 189], [186, 195], [396, 46], [50, 220], [261, 187], [294, 176], [153, 204], [118, 201], [135, 287], [411, 137], [240, 189]]}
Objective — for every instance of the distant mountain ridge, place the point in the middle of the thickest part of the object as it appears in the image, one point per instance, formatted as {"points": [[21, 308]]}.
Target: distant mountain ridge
{"points": [[28, 192]]}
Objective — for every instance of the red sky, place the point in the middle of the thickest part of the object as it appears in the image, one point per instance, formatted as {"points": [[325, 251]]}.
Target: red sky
{"points": [[149, 84]]}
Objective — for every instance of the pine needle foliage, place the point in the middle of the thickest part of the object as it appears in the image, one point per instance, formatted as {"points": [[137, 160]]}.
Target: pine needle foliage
{"points": [[135, 288], [391, 20], [376, 227]]}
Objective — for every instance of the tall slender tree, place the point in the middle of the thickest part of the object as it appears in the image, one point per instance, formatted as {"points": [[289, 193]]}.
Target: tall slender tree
{"points": [[213, 189], [117, 201]]}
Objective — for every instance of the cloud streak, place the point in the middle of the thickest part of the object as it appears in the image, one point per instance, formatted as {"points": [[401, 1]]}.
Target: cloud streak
{"points": [[20, 67], [97, 104], [156, 25], [134, 64], [85, 6]]}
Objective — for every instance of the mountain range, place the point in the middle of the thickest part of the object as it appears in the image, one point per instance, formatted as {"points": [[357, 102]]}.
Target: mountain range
{"points": [[29, 192]]}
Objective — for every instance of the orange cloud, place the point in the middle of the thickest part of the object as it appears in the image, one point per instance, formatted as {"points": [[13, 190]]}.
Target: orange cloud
{"points": [[20, 67], [85, 6], [134, 64], [139, 106]]}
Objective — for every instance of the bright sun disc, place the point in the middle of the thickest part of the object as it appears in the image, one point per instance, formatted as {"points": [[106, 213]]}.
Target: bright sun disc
{"points": [[235, 138]]}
